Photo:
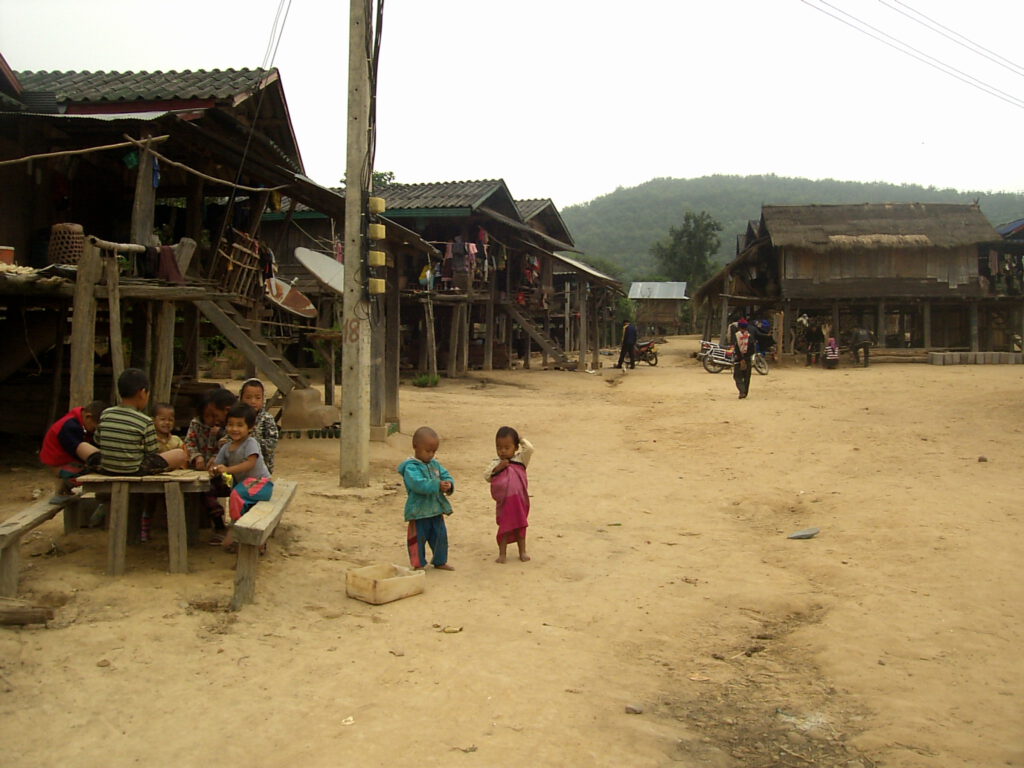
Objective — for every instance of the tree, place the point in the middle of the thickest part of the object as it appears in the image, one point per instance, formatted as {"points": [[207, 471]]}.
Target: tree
{"points": [[685, 256]]}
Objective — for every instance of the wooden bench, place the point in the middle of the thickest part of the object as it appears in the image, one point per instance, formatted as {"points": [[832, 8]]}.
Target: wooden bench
{"points": [[11, 531], [251, 532]]}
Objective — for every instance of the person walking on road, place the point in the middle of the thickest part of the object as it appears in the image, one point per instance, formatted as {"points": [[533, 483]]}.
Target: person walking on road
{"points": [[743, 350], [860, 341]]}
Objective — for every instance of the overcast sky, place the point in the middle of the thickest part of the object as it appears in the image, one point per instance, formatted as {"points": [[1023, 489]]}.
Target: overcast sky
{"points": [[569, 99]]}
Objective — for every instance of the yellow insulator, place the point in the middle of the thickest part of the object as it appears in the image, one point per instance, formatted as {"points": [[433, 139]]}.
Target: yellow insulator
{"points": [[378, 259], [377, 286], [376, 232], [376, 205]]}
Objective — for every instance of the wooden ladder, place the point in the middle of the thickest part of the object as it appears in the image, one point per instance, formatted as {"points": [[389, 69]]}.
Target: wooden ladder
{"points": [[536, 332], [244, 337]]}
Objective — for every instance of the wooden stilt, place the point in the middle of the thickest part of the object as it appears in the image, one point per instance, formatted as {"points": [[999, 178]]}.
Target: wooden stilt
{"points": [[83, 326], [111, 271], [453, 343], [595, 328], [724, 324], [547, 332], [117, 535], [465, 331], [392, 348], [581, 292], [489, 330], [163, 362], [926, 311], [973, 310], [428, 319], [880, 327], [177, 536]]}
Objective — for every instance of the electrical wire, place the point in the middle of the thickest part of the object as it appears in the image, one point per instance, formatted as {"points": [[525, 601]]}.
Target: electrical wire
{"points": [[924, 58], [964, 41]]}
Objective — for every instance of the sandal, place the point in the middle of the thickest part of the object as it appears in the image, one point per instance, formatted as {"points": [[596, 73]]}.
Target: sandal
{"points": [[216, 540]]}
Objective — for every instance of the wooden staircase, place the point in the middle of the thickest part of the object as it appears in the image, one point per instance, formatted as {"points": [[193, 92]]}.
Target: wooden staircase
{"points": [[536, 332], [245, 337]]}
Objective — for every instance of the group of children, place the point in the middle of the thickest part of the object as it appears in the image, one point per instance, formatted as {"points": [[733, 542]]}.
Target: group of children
{"points": [[428, 485], [233, 438]]}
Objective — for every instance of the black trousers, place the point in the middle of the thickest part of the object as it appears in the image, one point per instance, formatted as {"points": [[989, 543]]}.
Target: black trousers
{"points": [[741, 375], [866, 349], [627, 348]]}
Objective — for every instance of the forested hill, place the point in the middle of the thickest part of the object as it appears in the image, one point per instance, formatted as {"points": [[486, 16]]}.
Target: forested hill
{"points": [[619, 228]]}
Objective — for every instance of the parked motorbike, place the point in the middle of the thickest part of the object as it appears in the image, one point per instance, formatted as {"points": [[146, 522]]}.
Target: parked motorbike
{"points": [[647, 352], [716, 359]]}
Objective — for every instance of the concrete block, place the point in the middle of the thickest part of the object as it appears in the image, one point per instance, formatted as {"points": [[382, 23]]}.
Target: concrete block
{"points": [[379, 584], [1005, 358]]}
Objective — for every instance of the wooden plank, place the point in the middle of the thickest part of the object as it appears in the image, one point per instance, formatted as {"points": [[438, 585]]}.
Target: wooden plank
{"points": [[117, 535], [83, 326], [428, 311], [163, 363], [10, 566], [27, 519], [489, 330], [177, 535], [256, 525], [24, 614], [245, 575], [392, 347]]}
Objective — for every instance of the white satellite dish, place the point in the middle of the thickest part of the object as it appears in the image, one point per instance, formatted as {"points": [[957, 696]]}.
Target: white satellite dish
{"points": [[324, 268]]}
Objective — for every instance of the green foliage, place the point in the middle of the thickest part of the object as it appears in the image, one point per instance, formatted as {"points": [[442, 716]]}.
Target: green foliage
{"points": [[685, 256], [426, 380], [622, 226], [382, 179]]}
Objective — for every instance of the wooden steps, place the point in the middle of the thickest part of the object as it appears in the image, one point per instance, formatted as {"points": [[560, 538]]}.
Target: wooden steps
{"points": [[536, 332]]}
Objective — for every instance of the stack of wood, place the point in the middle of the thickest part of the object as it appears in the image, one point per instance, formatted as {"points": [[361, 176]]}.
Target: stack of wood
{"points": [[15, 612]]}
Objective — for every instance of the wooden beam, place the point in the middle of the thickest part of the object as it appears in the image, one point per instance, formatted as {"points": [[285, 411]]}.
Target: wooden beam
{"points": [[163, 362], [926, 311], [112, 271], [584, 341], [973, 310], [83, 326]]}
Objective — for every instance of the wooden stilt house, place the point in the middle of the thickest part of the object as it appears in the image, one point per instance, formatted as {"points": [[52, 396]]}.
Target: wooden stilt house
{"points": [[917, 276]]}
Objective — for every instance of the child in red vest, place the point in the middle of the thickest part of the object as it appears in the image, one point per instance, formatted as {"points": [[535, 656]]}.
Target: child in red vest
{"points": [[68, 446]]}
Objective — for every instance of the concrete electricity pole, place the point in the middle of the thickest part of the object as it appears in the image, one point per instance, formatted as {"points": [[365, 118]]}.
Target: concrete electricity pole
{"points": [[355, 346]]}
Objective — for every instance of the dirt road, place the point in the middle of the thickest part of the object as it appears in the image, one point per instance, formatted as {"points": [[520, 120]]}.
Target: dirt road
{"points": [[661, 580]]}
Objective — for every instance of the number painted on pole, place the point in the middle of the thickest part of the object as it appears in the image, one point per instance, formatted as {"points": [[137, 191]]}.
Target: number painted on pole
{"points": [[353, 330]]}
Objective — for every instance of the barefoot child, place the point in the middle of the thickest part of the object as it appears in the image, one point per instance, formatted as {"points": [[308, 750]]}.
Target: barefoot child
{"points": [[509, 489], [266, 432], [241, 459], [427, 485], [202, 442]]}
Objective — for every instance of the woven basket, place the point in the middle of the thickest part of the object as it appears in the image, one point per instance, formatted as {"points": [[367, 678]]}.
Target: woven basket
{"points": [[66, 243]]}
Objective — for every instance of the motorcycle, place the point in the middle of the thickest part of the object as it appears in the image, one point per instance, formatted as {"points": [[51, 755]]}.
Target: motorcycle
{"points": [[716, 359], [647, 352]]}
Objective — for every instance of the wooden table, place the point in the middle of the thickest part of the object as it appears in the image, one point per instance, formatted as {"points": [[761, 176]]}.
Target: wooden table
{"points": [[173, 486]]}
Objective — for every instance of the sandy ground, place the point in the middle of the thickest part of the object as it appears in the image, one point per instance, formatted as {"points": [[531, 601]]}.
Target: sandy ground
{"points": [[662, 579]]}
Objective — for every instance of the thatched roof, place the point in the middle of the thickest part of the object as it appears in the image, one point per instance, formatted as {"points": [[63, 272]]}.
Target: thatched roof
{"points": [[872, 226]]}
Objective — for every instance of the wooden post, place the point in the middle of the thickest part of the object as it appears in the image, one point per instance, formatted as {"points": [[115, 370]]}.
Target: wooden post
{"points": [[83, 326], [787, 319], [453, 343], [245, 573], [547, 332], [331, 347], [584, 341], [10, 566], [376, 375], [835, 320], [975, 346], [355, 352], [428, 321], [177, 536], [392, 347], [595, 337], [724, 325], [117, 535], [163, 360], [465, 333], [489, 322], [58, 368], [114, 307], [926, 310], [880, 326], [145, 196]]}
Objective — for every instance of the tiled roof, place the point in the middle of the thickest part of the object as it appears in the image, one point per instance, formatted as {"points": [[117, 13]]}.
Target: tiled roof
{"points": [[440, 194], [143, 86], [530, 208]]}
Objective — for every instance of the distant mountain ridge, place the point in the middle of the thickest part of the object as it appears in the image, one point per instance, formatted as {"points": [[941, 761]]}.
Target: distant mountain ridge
{"points": [[617, 230]]}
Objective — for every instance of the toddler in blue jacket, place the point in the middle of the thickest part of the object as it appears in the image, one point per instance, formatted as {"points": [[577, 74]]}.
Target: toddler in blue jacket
{"points": [[427, 485]]}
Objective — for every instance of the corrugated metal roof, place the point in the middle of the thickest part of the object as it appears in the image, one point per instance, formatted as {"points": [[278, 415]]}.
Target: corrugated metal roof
{"points": [[871, 226], [544, 213], [103, 117], [674, 291], [1011, 229], [530, 208], [144, 86], [440, 194]]}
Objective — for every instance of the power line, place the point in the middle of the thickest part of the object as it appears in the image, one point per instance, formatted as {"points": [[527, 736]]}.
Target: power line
{"points": [[924, 58], [967, 43]]}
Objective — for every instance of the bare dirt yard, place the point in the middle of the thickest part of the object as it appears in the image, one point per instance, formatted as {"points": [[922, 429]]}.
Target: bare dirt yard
{"points": [[662, 581]]}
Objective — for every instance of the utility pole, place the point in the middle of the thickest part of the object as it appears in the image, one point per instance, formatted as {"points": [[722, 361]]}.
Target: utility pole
{"points": [[355, 346]]}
